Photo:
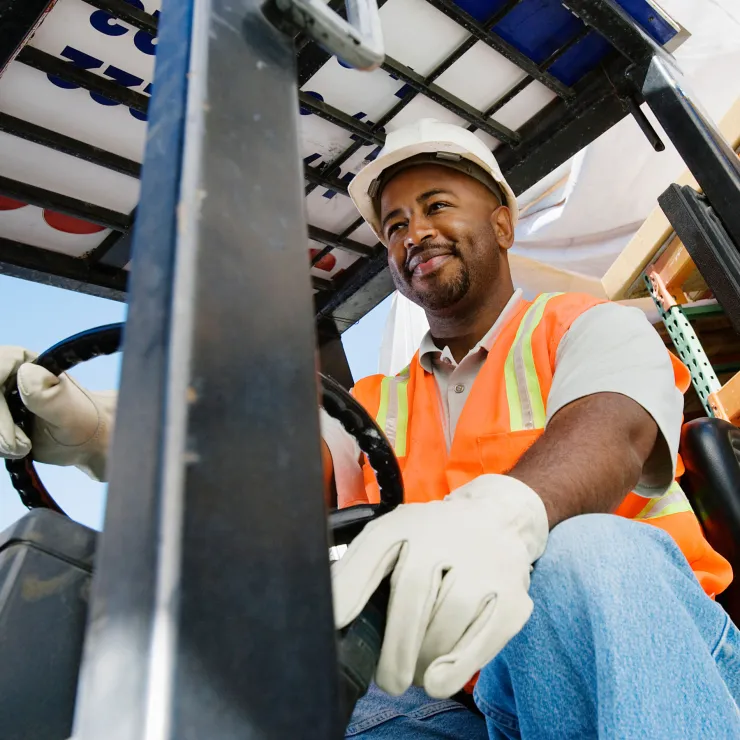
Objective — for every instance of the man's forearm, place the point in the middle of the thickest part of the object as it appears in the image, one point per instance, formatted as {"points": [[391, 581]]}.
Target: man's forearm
{"points": [[590, 456]]}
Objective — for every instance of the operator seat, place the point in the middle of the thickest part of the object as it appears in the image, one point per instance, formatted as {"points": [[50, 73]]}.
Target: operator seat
{"points": [[710, 449]]}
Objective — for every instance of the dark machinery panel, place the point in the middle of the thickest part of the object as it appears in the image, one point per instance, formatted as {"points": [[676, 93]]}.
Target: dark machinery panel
{"points": [[45, 572]]}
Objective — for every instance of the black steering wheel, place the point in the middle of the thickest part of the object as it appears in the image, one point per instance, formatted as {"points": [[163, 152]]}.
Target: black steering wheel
{"points": [[359, 643]]}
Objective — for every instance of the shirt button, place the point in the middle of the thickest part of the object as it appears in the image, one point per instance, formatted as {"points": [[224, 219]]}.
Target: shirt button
{"points": [[459, 388]]}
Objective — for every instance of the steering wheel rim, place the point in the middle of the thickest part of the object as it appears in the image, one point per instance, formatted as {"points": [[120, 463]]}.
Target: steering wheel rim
{"points": [[345, 524], [63, 356]]}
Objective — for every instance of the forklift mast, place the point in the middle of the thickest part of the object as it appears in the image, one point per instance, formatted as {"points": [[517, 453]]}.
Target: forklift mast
{"points": [[210, 614]]}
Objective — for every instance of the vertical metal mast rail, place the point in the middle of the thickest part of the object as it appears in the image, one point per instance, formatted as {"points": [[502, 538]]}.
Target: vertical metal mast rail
{"points": [[211, 612], [708, 225]]}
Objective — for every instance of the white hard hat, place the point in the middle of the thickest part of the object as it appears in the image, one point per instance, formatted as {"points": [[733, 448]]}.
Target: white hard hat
{"points": [[444, 143]]}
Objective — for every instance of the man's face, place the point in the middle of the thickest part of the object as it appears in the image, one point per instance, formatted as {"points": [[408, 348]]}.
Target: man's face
{"points": [[443, 233]]}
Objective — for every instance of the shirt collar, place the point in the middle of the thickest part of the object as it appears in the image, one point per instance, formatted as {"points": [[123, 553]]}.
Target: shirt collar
{"points": [[429, 352]]}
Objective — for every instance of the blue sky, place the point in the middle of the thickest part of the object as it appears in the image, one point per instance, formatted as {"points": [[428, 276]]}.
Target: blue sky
{"points": [[37, 316]]}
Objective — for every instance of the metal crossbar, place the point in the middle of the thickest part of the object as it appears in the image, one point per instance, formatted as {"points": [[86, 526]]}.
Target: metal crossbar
{"points": [[338, 241], [451, 102], [51, 65], [482, 32], [68, 145], [528, 80], [104, 252], [128, 13], [341, 241], [64, 204], [341, 119], [44, 266]]}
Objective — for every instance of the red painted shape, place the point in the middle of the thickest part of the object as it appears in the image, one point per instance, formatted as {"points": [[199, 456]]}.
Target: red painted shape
{"points": [[326, 263], [70, 224], [8, 204]]}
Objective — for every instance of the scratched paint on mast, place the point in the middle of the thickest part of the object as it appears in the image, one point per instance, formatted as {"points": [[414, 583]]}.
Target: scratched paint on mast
{"points": [[417, 35]]}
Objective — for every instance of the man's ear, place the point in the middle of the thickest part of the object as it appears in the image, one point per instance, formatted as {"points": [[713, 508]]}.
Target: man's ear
{"points": [[503, 227]]}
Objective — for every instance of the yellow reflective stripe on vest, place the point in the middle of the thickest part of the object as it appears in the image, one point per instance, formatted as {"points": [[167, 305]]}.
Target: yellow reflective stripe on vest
{"points": [[673, 501], [393, 412], [383, 407], [402, 425], [523, 392]]}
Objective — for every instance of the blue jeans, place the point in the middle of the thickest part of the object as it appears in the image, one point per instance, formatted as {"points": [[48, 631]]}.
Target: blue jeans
{"points": [[622, 644]]}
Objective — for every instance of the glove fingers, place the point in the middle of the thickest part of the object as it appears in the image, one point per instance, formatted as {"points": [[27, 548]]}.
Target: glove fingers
{"points": [[460, 602], [11, 358], [414, 587], [14, 443], [39, 389], [70, 415], [501, 619], [368, 560]]}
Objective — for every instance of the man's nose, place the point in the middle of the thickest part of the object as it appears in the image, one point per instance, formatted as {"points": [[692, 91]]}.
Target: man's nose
{"points": [[420, 229]]}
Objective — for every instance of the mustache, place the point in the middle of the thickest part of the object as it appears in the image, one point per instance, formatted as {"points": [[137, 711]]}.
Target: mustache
{"points": [[416, 255]]}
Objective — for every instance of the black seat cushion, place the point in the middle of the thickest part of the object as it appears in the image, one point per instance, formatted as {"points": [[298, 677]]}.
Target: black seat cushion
{"points": [[710, 449]]}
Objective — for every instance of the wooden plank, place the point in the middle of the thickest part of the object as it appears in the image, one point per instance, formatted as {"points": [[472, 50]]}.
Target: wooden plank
{"points": [[726, 401], [679, 274]]}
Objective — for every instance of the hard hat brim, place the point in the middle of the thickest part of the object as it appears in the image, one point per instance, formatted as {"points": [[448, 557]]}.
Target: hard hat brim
{"points": [[360, 185]]}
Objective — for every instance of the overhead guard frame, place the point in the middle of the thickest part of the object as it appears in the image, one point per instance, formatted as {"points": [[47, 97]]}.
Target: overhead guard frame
{"points": [[578, 115]]}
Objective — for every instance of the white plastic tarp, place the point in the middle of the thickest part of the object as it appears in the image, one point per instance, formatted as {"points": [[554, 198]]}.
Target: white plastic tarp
{"points": [[567, 240]]}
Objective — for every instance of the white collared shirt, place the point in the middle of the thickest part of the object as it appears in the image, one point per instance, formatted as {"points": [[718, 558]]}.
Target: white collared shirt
{"points": [[455, 380]]}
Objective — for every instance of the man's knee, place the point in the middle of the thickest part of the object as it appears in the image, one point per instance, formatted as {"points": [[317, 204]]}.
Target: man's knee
{"points": [[594, 549], [574, 542]]}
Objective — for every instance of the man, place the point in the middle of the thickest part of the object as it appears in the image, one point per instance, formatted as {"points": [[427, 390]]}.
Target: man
{"points": [[513, 420], [521, 429]]}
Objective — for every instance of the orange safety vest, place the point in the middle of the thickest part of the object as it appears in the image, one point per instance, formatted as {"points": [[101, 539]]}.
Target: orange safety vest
{"points": [[503, 416]]}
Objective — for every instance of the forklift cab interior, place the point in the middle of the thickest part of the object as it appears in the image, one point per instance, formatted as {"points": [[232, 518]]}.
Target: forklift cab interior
{"points": [[207, 243]]}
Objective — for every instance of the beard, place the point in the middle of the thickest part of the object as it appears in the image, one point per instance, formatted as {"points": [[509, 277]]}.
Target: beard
{"points": [[475, 263], [441, 291], [444, 294]]}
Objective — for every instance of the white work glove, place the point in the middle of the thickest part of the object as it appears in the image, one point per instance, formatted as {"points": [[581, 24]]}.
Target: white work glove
{"points": [[73, 425], [459, 589]]}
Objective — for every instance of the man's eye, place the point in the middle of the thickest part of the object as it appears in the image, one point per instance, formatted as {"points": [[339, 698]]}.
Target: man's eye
{"points": [[437, 206], [394, 227]]}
